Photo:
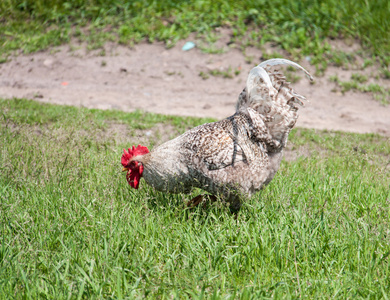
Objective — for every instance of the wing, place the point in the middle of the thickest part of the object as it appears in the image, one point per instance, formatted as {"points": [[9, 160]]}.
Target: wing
{"points": [[236, 139], [213, 146]]}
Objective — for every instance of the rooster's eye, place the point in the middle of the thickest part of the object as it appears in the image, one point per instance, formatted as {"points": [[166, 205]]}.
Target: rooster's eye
{"points": [[133, 165]]}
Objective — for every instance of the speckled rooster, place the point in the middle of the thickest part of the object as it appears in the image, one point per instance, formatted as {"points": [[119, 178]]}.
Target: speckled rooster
{"points": [[233, 158]]}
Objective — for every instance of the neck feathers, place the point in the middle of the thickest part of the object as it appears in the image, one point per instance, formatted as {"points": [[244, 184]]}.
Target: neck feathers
{"points": [[144, 159]]}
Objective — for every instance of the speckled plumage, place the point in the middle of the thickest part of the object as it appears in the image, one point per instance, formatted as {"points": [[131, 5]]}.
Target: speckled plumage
{"points": [[237, 156]]}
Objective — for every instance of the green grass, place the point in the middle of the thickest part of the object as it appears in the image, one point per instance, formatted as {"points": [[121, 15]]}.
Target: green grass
{"points": [[71, 227], [357, 83], [228, 73], [303, 28]]}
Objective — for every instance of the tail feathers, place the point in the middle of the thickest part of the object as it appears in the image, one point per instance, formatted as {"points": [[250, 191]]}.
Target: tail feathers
{"points": [[282, 61], [269, 94]]}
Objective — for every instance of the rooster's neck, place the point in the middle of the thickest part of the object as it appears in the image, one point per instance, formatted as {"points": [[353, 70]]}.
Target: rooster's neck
{"points": [[142, 158]]}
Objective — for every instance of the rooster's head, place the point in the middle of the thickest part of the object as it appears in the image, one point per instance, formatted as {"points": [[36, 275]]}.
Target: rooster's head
{"points": [[133, 167]]}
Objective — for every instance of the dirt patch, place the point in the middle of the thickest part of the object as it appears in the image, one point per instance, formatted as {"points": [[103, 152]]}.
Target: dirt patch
{"points": [[122, 133], [154, 79]]}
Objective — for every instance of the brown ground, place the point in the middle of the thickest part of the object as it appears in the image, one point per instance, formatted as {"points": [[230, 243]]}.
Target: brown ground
{"points": [[154, 79]]}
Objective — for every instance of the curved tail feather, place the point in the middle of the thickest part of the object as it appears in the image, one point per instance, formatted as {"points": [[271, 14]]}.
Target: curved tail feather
{"points": [[270, 95], [282, 61]]}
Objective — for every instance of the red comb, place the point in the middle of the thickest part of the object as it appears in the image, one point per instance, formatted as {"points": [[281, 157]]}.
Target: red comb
{"points": [[140, 150]]}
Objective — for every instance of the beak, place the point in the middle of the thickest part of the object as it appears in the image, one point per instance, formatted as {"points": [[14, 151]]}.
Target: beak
{"points": [[124, 169]]}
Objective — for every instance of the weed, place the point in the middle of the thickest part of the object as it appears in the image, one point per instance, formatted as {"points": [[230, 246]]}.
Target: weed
{"points": [[229, 73], [204, 75], [386, 73], [356, 83], [211, 49], [341, 58], [360, 78], [249, 59]]}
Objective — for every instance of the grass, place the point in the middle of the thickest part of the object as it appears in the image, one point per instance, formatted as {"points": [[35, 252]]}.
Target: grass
{"points": [[357, 83], [228, 73], [302, 28], [71, 227]]}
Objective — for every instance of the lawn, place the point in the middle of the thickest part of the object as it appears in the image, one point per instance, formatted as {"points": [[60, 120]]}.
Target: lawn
{"points": [[71, 227]]}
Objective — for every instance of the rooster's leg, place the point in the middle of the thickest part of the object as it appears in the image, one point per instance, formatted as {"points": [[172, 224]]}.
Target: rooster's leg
{"points": [[235, 206], [199, 199], [195, 201]]}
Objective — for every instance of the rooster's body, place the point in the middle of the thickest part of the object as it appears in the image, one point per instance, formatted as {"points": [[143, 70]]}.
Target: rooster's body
{"points": [[232, 158]]}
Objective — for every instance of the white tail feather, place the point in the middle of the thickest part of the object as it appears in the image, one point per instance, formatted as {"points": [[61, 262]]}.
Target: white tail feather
{"points": [[282, 61], [254, 77], [270, 95]]}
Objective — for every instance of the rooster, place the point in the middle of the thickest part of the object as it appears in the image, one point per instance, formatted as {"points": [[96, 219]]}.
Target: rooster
{"points": [[233, 158]]}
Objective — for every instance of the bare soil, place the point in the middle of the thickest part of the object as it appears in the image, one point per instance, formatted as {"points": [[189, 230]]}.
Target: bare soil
{"points": [[167, 81]]}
